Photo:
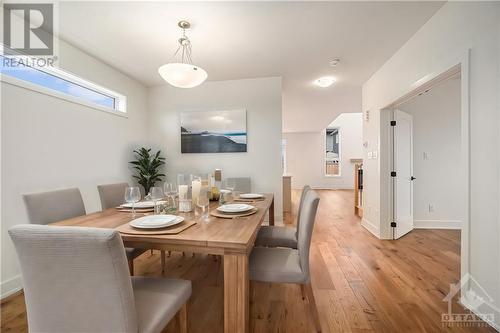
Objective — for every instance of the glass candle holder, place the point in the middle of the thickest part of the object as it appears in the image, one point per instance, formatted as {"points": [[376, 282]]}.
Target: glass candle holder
{"points": [[203, 203], [185, 199], [224, 197], [185, 205], [161, 206]]}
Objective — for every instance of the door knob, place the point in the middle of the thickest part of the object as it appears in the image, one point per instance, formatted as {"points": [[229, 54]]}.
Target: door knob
{"points": [[412, 178]]}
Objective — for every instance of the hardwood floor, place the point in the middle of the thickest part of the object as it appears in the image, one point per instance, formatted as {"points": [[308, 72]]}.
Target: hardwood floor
{"points": [[361, 284]]}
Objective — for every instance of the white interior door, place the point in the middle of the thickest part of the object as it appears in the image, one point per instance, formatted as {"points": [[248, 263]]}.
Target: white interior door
{"points": [[403, 165]]}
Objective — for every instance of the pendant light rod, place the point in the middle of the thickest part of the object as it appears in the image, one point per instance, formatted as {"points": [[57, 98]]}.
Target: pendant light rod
{"points": [[184, 44], [184, 74]]}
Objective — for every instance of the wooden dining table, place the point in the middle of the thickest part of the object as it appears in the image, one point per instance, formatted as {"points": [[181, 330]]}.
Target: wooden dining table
{"points": [[231, 238]]}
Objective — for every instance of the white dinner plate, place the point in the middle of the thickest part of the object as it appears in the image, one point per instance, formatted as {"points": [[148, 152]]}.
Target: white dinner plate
{"points": [[156, 221], [235, 208], [140, 204], [251, 196]]}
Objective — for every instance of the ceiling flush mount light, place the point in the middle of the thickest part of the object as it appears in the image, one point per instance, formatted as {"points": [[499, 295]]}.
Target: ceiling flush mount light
{"points": [[183, 74], [324, 81]]}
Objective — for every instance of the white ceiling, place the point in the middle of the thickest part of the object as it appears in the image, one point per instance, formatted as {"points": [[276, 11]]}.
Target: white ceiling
{"points": [[234, 40]]}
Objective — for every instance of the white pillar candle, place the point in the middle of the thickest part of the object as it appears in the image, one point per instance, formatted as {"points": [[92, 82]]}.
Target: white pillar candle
{"points": [[183, 191], [195, 188]]}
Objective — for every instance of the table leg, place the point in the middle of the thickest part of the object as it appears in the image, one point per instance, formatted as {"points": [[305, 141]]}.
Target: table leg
{"points": [[271, 213], [162, 259], [236, 304]]}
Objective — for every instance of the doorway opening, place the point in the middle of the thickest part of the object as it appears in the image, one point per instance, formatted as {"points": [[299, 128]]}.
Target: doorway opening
{"points": [[446, 211], [430, 187], [428, 166]]}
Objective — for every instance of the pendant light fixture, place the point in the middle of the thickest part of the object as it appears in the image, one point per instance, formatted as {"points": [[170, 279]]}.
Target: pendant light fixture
{"points": [[183, 74]]}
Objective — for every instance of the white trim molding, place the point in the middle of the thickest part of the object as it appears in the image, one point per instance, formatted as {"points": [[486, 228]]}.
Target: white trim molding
{"points": [[437, 224], [372, 228], [486, 308], [11, 286]]}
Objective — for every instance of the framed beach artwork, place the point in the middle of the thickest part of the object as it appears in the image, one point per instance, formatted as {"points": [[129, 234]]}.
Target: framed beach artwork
{"points": [[214, 131]]}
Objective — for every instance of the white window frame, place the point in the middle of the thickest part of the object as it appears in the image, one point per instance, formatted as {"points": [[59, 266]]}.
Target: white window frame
{"points": [[339, 131], [120, 107]]}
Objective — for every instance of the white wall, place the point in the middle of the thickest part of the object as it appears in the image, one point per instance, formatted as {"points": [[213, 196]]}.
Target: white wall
{"points": [[305, 153], [436, 132], [50, 143], [262, 100], [438, 45]]}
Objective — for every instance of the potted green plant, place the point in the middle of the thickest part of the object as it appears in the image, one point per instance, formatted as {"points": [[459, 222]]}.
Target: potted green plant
{"points": [[148, 166]]}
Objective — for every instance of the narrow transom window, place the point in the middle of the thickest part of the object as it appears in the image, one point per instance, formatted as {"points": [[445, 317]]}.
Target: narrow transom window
{"points": [[59, 82]]}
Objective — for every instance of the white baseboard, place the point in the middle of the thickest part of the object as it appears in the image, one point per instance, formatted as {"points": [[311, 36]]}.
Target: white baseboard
{"points": [[437, 224], [486, 308], [370, 227], [11, 286]]}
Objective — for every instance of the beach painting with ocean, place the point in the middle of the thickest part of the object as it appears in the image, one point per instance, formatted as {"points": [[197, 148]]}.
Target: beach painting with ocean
{"points": [[214, 131]]}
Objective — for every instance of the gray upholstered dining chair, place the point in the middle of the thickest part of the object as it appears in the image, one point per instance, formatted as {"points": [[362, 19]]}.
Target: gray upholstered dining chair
{"points": [[277, 236], [58, 205], [241, 184], [48, 207], [112, 195], [286, 265], [76, 280]]}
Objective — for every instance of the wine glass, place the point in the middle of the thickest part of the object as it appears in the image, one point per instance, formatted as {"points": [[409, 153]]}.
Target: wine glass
{"points": [[170, 190], [203, 202], [132, 195], [156, 193]]}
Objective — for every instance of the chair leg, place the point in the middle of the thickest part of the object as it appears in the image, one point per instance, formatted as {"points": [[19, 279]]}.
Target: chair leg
{"points": [[182, 315], [162, 259], [131, 267], [312, 306]]}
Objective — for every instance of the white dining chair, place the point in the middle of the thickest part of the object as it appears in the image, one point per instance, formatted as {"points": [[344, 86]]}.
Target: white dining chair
{"points": [[278, 236], [287, 265], [112, 196], [76, 280]]}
